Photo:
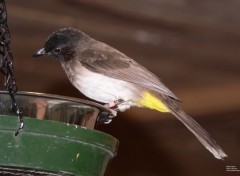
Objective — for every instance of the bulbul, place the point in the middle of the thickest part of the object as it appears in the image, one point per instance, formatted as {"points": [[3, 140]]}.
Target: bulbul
{"points": [[106, 75]]}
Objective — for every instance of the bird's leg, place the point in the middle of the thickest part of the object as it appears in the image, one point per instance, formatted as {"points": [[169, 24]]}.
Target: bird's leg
{"points": [[119, 105], [114, 104], [111, 104]]}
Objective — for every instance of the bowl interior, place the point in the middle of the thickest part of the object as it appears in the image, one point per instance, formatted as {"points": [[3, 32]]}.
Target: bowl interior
{"points": [[53, 107]]}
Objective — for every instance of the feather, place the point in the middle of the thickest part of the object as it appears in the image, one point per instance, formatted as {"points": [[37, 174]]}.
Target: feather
{"points": [[150, 101], [208, 142], [116, 65]]}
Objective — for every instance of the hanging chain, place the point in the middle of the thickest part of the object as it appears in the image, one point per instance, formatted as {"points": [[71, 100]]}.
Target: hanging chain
{"points": [[6, 64]]}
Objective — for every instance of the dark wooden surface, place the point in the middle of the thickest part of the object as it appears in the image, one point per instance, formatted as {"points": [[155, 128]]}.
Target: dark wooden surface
{"points": [[193, 46]]}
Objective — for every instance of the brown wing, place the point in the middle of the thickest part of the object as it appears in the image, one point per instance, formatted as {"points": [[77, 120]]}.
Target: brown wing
{"points": [[112, 63]]}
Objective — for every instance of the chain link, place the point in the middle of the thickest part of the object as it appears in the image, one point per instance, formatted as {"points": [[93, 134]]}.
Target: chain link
{"points": [[6, 64]]}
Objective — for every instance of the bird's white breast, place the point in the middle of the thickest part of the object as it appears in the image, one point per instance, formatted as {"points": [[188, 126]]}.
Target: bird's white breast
{"points": [[100, 87]]}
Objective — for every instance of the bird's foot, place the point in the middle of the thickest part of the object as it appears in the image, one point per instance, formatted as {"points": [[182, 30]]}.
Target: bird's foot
{"points": [[114, 107], [106, 117]]}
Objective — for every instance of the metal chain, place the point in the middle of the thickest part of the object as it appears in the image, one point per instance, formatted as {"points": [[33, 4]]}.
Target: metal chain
{"points": [[6, 64]]}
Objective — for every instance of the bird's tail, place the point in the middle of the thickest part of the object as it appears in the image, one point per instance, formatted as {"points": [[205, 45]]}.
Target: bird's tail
{"points": [[170, 106]]}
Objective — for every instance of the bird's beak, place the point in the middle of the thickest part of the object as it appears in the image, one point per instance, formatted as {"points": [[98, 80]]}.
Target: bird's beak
{"points": [[40, 52]]}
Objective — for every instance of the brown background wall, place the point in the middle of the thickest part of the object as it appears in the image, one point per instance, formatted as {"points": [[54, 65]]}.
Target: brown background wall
{"points": [[193, 46]]}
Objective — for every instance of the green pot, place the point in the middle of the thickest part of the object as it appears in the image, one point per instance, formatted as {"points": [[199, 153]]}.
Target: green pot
{"points": [[53, 142]]}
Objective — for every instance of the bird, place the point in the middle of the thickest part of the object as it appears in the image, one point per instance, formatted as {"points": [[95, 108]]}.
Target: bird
{"points": [[106, 75]]}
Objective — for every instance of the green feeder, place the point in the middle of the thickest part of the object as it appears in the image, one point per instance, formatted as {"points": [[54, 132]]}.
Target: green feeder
{"points": [[58, 137]]}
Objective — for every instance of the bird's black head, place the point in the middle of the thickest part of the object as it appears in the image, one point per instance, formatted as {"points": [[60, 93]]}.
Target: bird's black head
{"points": [[63, 43]]}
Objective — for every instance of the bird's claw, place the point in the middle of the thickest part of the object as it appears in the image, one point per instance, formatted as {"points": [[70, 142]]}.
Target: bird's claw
{"points": [[106, 117], [108, 121]]}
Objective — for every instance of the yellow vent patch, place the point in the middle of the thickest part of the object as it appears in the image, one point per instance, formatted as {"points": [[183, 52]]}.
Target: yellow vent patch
{"points": [[152, 102]]}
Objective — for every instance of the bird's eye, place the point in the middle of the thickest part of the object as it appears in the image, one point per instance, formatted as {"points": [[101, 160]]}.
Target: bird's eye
{"points": [[57, 51]]}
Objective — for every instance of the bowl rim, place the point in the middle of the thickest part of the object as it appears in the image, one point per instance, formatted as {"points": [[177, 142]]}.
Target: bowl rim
{"points": [[61, 97]]}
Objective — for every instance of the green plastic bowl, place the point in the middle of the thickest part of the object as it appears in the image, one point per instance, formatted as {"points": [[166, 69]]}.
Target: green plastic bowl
{"points": [[53, 142]]}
